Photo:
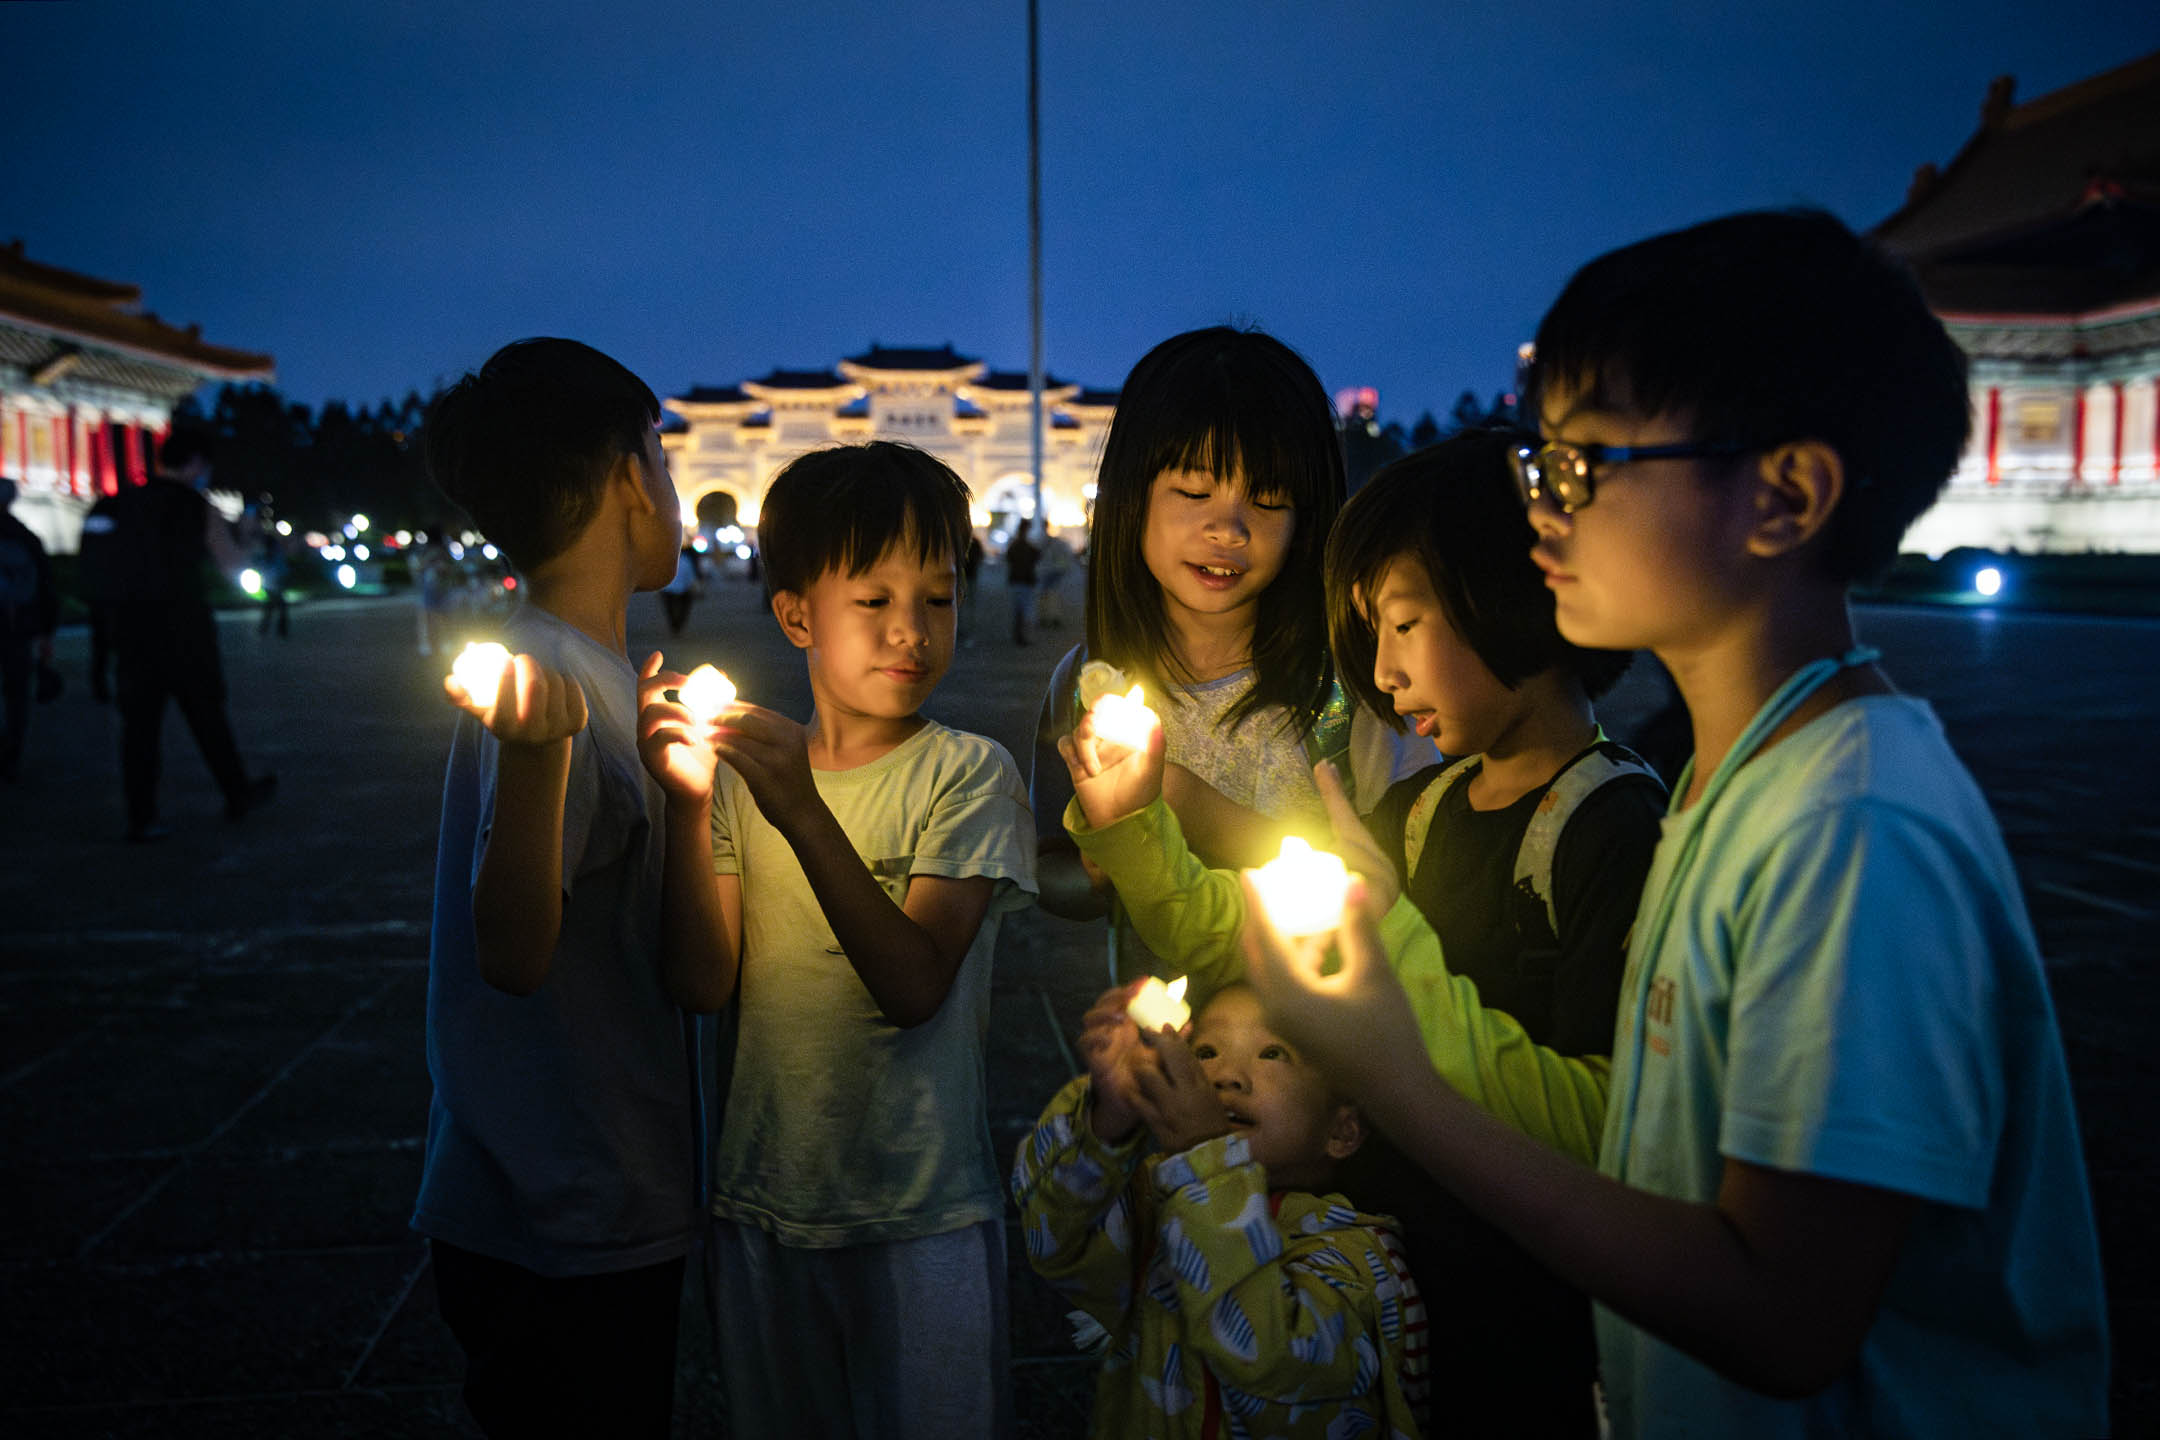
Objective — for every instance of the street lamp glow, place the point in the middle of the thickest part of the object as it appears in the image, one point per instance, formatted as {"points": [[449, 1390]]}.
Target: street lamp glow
{"points": [[360, 522], [251, 581], [347, 576], [1989, 581]]}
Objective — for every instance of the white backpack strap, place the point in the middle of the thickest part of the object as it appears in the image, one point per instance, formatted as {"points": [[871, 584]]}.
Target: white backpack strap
{"points": [[1598, 766], [1419, 820]]}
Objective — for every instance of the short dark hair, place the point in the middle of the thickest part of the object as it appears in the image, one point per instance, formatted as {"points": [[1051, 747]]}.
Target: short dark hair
{"points": [[1770, 327], [1454, 509], [1220, 400], [842, 508], [183, 445], [524, 445]]}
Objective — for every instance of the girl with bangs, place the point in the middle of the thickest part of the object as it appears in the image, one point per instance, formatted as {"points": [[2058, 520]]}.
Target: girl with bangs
{"points": [[1219, 481]]}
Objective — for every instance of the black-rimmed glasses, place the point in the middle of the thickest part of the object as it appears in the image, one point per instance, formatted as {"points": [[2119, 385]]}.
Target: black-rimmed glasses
{"points": [[1568, 473]]}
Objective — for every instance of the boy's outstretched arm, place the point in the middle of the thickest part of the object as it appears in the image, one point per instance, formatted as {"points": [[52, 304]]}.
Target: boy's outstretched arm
{"points": [[518, 896], [1775, 1285], [700, 912], [907, 956]]}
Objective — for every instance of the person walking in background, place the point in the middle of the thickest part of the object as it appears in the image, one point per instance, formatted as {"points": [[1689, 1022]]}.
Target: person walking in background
{"points": [[29, 612], [1021, 557], [435, 585], [1056, 564], [970, 570], [678, 594], [165, 635], [274, 568]]}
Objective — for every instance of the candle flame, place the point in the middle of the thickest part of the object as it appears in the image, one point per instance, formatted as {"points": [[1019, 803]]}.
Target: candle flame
{"points": [[479, 669], [1124, 719], [1156, 1005], [1304, 889], [705, 692]]}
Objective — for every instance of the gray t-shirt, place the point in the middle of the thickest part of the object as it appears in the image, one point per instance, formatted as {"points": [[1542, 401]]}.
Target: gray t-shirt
{"points": [[840, 1128], [566, 1130]]}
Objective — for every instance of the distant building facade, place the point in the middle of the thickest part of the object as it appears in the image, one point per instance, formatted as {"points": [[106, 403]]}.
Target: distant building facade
{"points": [[731, 440], [88, 381], [2039, 247]]}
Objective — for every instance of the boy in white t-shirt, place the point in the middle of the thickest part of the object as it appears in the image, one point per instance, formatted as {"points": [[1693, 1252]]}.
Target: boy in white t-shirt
{"points": [[1839, 1189], [844, 882]]}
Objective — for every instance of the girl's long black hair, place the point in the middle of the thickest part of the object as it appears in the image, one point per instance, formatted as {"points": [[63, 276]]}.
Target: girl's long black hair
{"points": [[1236, 404]]}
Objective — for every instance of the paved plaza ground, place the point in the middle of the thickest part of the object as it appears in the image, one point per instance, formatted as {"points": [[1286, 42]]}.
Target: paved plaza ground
{"points": [[212, 1079]]}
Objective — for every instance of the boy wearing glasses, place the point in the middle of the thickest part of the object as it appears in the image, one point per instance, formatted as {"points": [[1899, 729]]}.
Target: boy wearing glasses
{"points": [[1839, 1187]]}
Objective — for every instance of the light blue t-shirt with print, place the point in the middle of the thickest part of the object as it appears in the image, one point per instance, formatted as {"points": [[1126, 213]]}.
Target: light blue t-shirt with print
{"points": [[567, 1127], [1849, 987]]}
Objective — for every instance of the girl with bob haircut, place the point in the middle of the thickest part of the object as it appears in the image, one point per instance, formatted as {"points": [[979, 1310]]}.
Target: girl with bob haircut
{"points": [[1220, 479]]}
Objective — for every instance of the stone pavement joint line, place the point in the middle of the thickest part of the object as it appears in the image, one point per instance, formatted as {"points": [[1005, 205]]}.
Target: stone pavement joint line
{"points": [[390, 1313], [187, 1157]]}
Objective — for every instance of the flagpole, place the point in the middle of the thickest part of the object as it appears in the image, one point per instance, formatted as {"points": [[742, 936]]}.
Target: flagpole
{"points": [[1035, 304]]}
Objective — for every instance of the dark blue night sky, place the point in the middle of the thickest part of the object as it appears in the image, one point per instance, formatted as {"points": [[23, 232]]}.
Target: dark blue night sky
{"points": [[380, 192]]}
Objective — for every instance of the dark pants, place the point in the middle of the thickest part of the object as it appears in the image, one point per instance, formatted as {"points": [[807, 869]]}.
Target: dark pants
{"points": [[677, 607], [584, 1355], [101, 651], [17, 666], [182, 666], [275, 609]]}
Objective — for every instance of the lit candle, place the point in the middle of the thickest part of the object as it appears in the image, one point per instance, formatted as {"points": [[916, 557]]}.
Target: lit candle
{"points": [[1158, 1005], [480, 670], [705, 692], [1124, 719], [1303, 888]]}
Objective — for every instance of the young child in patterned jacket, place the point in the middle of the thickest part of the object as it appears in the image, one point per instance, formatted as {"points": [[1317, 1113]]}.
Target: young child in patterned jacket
{"points": [[1228, 1281]]}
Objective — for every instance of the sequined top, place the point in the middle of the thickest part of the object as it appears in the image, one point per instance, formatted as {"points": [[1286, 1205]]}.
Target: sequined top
{"points": [[1261, 765]]}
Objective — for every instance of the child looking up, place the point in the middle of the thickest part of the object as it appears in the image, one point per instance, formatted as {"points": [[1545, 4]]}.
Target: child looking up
{"points": [[1219, 479], [1839, 1187], [1225, 1276], [844, 880], [561, 1188], [1529, 860]]}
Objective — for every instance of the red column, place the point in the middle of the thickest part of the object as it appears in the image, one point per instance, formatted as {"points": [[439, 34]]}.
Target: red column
{"points": [[136, 474], [2115, 464], [1994, 435], [108, 471], [2077, 438], [22, 441], [63, 458]]}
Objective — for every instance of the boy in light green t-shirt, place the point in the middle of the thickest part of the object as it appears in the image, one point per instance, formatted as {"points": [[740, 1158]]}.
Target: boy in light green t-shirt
{"points": [[842, 884], [1839, 1188]]}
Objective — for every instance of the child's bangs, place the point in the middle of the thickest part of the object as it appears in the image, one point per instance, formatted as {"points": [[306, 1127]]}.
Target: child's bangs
{"points": [[1250, 445]]}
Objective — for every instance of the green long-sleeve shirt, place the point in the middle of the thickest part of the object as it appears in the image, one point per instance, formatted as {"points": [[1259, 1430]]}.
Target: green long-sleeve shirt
{"points": [[1191, 916]]}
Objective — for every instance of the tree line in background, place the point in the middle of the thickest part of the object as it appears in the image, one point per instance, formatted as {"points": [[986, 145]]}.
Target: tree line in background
{"points": [[317, 467], [1369, 443]]}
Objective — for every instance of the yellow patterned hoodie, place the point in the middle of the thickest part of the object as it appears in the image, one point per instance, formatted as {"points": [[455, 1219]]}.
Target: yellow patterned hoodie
{"points": [[1228, 1311]]}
